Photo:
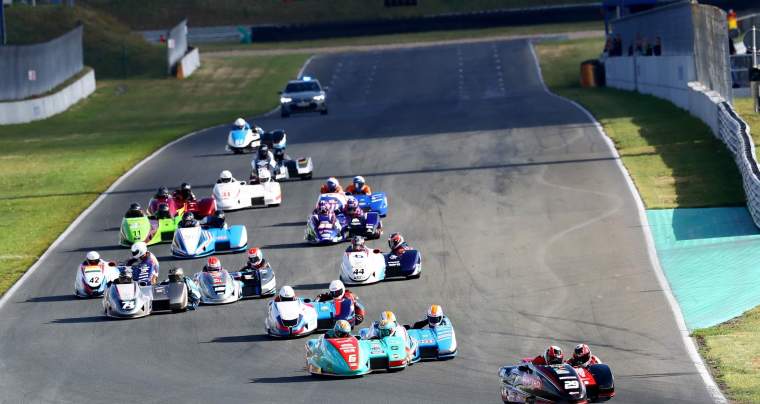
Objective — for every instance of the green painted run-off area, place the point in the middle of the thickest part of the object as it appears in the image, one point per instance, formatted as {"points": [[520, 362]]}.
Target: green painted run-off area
{"points": [[711, 258]]}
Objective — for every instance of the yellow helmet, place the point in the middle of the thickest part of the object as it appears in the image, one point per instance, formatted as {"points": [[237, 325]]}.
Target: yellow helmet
{"points": [[388, 316]]}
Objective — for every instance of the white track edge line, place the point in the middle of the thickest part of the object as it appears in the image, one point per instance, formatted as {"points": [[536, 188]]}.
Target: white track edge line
{"points": [[7, 295], [691, 348]]}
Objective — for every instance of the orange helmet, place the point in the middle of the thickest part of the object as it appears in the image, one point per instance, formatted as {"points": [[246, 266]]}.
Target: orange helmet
{"points": [[434, 315], [214, 264]]}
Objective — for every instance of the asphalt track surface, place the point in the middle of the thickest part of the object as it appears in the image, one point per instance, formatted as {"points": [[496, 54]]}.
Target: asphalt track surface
{"points": [[528, 231]]}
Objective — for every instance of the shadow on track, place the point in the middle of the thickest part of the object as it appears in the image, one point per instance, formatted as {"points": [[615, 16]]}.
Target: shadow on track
{"points": [[289, 224], [81, 320], [285, 246], [291, 379], [242, 338], [323, 285], [50, 299], [215, 155], [111, 247]]}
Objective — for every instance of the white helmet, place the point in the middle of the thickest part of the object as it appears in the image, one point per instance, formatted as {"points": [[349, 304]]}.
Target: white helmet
{"points": [[287, 293], [359, 179], [337, 290], [93, 256], [225, 175], [139, 249], [240, 123]]}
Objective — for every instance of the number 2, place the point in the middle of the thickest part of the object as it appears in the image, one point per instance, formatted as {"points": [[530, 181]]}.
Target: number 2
{"points": [[571, 384]]}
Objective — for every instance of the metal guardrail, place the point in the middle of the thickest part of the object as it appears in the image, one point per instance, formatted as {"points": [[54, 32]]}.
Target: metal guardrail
{"points": [[735, 134]]}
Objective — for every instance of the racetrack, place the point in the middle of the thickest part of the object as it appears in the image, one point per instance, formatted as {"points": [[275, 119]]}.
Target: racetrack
{"points": [[529, 235]]}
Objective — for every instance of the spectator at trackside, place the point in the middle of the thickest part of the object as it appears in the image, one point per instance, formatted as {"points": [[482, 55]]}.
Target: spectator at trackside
{"points": [[657, 49]]}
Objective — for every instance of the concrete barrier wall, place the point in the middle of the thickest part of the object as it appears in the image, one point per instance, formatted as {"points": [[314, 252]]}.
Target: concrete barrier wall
{"points": [[620, 73], [662, 76], [188, 64], [666, 77], [44, 107]]}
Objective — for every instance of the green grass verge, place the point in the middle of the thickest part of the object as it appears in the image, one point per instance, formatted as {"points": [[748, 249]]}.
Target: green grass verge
{"points": [[53, 169], [414, 37], [673, 158], [109, 45], [156, 14], [731, 350], [746, 109]]}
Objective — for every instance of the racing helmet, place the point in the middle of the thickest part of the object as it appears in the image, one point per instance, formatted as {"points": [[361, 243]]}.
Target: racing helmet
{"points": [[239, 123], [219, 214], [213, 264], [255, 256], [162, 192], [323, 207], [386, 328], [395, 240], [225, 176], [359, 182], [188, 217], [139, 249], [388, 315], [554, 355], [125, 274], [342, 329], [434, 315], [351, 205], [581, 353], [337, 290], [263, 152], [357, 243], [163, 211], [185, 187], [176, 275], [287, 294], [332, 184], [93, 258]]}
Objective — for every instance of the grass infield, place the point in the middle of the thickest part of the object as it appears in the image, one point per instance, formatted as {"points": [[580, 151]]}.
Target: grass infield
{"points": [[51, 170]]}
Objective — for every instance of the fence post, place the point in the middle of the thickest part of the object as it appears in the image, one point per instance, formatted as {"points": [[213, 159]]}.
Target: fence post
{"points": [[753, 84], [2, 23]]}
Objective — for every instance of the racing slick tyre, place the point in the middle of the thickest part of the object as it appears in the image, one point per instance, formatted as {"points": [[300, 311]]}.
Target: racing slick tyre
{"points": [[182, 307], [306, 176], [323, 112], [284, 114], [237, 151]]}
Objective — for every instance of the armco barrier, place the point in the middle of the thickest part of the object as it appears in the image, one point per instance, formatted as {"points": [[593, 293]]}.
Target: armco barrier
{"points": [[34, 109], [734, 132]]}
